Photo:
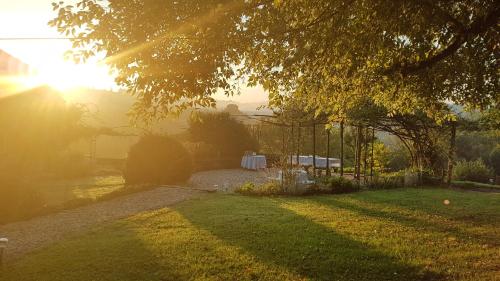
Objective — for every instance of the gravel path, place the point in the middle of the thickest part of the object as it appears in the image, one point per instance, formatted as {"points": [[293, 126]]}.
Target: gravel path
{"points": [[227, 180], [27, 236], [33, 234]]}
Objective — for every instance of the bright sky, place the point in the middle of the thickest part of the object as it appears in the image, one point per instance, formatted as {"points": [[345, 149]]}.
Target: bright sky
{"points": [[28, 18]]}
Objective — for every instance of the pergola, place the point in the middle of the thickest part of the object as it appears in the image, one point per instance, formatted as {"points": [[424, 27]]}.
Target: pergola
{"points": [[312, 123]]}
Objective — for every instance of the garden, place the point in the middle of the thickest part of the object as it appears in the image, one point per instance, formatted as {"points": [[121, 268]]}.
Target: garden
{"points": [[374, 156]]}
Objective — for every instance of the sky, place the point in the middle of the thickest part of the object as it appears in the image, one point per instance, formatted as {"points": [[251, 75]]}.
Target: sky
{"points": [[28, 18]]}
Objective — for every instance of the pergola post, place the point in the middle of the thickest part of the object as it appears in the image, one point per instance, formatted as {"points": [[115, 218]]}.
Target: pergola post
{"points": [[341, 148], [314, 149], [298, 144], [358, 154], [291, 149], [451, 153], [328, 152], [372, 159], [365, 166], [283, 140]]}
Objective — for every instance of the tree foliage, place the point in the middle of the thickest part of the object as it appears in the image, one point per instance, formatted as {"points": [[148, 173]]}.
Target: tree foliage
{"points": [[228, 137], [37, 127], [403, 55]]}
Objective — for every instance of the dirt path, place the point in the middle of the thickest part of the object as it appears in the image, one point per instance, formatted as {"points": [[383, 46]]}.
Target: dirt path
{"points": [[27, 236]]}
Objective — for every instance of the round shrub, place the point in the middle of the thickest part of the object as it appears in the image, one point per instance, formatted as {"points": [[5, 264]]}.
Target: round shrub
{"points": [[472, 171], [157, 160], [495, 159]]}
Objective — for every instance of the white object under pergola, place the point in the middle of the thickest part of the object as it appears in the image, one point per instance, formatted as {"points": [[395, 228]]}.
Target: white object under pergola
{"points": [[3, 245], [308, 160]]}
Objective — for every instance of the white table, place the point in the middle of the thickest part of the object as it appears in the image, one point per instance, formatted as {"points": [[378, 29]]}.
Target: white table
{"points": [[254, 162], [320, 161], [303, 160], [333, 162]]}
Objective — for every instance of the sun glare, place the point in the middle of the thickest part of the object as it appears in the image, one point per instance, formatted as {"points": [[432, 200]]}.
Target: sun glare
{"points": [[67, 76]]}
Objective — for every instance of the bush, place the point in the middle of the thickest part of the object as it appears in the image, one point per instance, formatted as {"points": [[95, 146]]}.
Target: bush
{"points": [[157, 160], [472, 171], [339, 185], [398, 159], [388, 180], [270, 188], [495, 159]]}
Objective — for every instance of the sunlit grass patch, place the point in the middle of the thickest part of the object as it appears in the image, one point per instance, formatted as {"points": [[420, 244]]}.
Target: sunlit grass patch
{"points": [[57, 193], [406, 234]]}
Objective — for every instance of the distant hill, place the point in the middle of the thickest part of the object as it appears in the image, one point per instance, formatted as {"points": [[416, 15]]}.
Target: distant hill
{"points": [[109, 109]]}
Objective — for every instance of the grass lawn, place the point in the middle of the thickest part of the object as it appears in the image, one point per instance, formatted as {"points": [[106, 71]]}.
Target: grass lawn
{"points": [[403, 234], [56, 193]]}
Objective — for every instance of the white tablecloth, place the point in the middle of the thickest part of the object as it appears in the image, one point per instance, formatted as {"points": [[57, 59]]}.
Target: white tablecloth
{"points": [[254, 162], [320, 161], [333, 162]]}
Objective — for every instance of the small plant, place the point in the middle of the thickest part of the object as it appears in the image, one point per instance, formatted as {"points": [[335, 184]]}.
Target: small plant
{"points": [[339, 185], [267, 189], [475, 171], [246, 188], [388, 180], [270, 188]]}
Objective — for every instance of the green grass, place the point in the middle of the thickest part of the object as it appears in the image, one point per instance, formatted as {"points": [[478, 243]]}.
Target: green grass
{"points": [[57, 193], [404, 234]]}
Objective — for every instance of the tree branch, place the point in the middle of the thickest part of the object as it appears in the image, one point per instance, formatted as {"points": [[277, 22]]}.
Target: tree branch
{"points": [[478, 27]]}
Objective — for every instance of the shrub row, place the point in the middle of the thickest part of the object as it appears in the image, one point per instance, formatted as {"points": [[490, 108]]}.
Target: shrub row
{"points": [[267, 189], [326, 185], [475, 171]]}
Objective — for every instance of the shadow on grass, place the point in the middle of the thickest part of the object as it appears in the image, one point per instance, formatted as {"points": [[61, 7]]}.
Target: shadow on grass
{"points": [[106, 254], [414, 222], [279, 237]]}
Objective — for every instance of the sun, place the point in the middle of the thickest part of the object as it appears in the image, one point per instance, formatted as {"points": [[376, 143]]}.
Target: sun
{"points": [[65, 76]]}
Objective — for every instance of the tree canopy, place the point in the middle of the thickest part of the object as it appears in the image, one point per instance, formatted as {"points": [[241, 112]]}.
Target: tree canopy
{"points": [[227, 136], [403, 55]]}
